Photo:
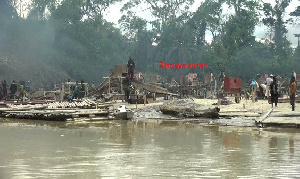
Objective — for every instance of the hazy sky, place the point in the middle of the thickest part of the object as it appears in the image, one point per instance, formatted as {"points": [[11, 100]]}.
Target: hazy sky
{"points": [[113, 14]]}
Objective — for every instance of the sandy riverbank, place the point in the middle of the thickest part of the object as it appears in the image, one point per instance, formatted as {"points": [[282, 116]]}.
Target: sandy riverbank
{"points": [[244, 109], [259, 106]]}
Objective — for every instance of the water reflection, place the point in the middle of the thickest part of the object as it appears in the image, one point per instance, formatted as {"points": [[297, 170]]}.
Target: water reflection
{"points": [[291, 146], [153, 148]]}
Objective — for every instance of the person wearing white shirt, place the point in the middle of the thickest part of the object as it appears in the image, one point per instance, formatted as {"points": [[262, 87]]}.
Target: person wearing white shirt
{"points": [[269, 80]]}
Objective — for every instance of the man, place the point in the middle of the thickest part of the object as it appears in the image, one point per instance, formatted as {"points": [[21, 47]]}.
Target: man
{"points": [[294, 75], [293, 93], [254, 86], [269, 80], [222, 76], [274, 91], [13, 89], [76, 90], [22, 91], [82, 89], [131, 66], [93, 86]]}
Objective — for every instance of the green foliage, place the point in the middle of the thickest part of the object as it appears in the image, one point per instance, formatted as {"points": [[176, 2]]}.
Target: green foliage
{"points": [[207, 17], [70, 39], [274, 20], [64, 45], [296, 12], [163, 11]]}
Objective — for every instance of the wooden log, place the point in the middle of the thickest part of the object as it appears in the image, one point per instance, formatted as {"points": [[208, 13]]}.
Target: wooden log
{"points": [[75, 116], [208, 113], [285, 114], [92, 115], [282, 120], [239, 114], [100, 118], [180, 111]]}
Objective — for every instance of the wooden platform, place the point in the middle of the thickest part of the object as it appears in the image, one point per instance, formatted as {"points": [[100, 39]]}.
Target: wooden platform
{"points": [[285, 100], [279, 119], [63, 111]]}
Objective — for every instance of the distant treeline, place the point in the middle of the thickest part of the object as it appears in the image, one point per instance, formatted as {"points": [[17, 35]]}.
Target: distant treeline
{"points": [[70, 39]]}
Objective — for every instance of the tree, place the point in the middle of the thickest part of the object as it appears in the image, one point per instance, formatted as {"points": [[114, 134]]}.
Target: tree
{"points": [[39, 8], [207, 17], [295, 60], [274, 20], [236, 32], [97, 7], [296, 12], [7, 11], [132, 25], [163, 11]]}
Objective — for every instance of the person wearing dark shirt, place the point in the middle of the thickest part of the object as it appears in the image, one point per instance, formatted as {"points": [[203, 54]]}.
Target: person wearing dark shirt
{"points": [[293, 90], [274, 91], [82, 89], [76, 91], [131, 66], [13, 89]]}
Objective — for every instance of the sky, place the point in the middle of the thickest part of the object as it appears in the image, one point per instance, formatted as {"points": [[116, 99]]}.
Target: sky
{"points": [[113, 14]]}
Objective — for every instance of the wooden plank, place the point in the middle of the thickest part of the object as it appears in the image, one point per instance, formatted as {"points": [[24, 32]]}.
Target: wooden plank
{"points": [[282, 120], [88, 113], [263, 117], [99, 119], [239, 114], [92, 115], [58, 112], [285, 114]]}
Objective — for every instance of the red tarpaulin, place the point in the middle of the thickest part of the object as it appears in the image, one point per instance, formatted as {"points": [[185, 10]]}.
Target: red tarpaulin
{"points": [[232, 85]]}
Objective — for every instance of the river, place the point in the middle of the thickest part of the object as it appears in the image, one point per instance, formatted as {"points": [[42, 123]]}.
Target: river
{"points": [[152, 149]]}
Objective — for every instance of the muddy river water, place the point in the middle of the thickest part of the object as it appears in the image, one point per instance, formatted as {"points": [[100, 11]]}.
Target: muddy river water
{"points": [[152, 149]]}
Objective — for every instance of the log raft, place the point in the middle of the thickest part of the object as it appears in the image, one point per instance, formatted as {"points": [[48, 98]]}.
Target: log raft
{"points": [[64, 111], [53, 115]]}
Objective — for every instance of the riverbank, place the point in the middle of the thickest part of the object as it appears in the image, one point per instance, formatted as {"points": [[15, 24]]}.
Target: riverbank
{"points": [[247, 106], [244, 113]]}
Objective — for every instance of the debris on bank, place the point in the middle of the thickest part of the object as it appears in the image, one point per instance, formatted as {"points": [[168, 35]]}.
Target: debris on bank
{"points": [[187, 108]]}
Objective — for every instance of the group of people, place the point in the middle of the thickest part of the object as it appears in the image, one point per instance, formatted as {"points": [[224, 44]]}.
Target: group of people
{"points": [[78, 91], [272, 89], [13, 88]]}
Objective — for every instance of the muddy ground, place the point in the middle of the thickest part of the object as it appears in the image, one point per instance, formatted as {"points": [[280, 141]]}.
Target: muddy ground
{"points": [[235, 114]]}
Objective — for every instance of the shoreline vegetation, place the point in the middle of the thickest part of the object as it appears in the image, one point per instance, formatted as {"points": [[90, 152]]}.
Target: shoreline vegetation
{"points": [[56, 40], [245, 113]]}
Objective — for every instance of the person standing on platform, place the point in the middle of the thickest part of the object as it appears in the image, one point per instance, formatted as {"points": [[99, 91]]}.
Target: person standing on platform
{"points": [[13, 89], [269, 80], [274, 91], [131, 66], [254, 86], [22, 92], [293, 93]]}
